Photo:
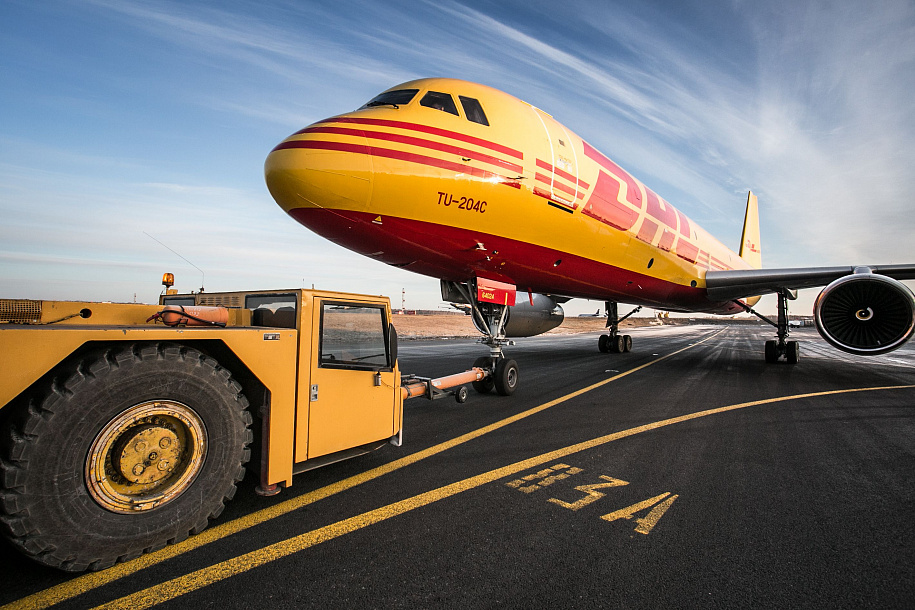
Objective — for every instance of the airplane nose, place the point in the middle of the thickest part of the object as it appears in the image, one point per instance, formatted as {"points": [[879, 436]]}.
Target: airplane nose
{"points": [[312, 169]]}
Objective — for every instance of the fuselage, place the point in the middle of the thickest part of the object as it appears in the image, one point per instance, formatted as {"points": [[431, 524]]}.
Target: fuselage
{"points": [[457, 180]]}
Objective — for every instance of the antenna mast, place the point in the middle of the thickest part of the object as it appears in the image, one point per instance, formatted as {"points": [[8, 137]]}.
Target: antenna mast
{"points": [[202, 274]]}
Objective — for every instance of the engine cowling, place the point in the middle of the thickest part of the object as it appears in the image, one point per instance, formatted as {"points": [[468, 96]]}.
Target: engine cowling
{"points": [[526, 320], [865, 314]]}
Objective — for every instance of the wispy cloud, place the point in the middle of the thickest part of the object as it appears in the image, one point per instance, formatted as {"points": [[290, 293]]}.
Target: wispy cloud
{"points": [[808, 104]]}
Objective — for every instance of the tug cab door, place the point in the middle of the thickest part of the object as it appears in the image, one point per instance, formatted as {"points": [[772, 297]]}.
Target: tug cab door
{"points": [[353, 398]]}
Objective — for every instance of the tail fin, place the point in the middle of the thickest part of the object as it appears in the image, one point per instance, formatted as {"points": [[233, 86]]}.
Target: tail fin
{"points": [[749, 242]]}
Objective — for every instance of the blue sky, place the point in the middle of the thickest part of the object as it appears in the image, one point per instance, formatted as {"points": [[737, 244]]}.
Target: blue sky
{"points": [[121, 120]]}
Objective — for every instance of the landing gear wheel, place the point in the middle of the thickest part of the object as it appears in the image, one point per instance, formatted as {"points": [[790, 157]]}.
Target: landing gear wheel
{"points": [[771, 352], [125, 451], [617, 344], [627, 343], [603, 343], [794, 352], [506, 377], [483, 386]]}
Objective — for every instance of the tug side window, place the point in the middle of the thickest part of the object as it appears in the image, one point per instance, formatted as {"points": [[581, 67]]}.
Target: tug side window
{"points": [[473, 110], [439, 101], [353, 336]]}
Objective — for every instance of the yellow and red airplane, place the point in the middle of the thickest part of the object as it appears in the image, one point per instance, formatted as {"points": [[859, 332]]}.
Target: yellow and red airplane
{"points": [[492, 196]]}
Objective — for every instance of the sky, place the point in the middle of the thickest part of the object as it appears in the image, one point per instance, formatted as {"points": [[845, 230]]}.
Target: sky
{"points": [[133, 134]]}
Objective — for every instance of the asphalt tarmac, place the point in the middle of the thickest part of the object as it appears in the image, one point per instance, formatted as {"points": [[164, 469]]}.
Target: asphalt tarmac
{"points": [[687, 473]]}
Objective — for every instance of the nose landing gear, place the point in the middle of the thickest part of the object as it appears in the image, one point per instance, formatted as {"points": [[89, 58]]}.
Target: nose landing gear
{"points": [[490, 319]]}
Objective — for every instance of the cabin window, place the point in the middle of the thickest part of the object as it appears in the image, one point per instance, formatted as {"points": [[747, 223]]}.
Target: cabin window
{"points": [[473, 110], [439, 101], [392, 98]]}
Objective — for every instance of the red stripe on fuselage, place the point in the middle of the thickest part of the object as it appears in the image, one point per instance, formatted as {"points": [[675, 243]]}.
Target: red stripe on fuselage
{"points": [[455, 135], [397, 154], [445, 252], [419, 142], [720, 264], [562, 173], [556, 185]]}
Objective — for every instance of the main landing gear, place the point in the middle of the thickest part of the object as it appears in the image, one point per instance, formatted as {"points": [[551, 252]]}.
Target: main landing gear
{"points": [[489, 319], [775, 349], [615, 343]]}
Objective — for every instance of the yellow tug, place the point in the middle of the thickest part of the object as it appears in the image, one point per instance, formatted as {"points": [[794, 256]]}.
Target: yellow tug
{"points": [[126, 427]]}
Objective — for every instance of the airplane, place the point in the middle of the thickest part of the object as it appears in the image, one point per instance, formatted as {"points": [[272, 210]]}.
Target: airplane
{"points": [[516, 214], [596, 314]]}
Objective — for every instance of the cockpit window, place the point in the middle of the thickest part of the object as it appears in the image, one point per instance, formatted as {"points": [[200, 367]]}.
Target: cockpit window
{"points": [[439, 101], [392, 98], [473, 110]]}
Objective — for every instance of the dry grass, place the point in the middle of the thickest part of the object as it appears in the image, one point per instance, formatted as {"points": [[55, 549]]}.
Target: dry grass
{"points": [[428, 326]]}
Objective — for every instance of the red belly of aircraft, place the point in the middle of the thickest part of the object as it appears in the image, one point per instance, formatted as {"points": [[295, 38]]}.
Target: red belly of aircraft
{"points": [[441, 252]]}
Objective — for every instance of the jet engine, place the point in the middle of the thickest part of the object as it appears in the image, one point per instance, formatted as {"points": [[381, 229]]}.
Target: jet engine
{"points": [[526, 320], [865, 313]]}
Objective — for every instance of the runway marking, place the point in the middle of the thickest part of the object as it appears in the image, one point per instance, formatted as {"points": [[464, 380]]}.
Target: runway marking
{"points": [[206, 576], [643, 525], [546, 477], [591, 493], [87, 582], [647, 523]]}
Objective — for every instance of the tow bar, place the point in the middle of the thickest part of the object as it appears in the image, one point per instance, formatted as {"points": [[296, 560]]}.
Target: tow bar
{"points": [[413, 386]]}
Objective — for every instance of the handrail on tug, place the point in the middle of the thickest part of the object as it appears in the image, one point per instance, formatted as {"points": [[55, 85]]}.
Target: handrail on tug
{"points": [[432, 389]]}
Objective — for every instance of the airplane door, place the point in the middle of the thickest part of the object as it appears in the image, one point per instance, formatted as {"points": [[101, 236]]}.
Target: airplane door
{"points": [[557, 166], [351, 401]]}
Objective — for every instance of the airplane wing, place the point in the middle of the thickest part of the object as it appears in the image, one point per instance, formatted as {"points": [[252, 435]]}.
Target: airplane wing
{"points": [[728, 285]]}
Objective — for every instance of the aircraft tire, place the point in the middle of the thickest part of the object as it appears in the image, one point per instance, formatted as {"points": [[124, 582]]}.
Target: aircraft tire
{"points": [[603, 343], [794, 352], [771, 352], [506, 377], [124, 451], [627, 343], [484, 386], [617, 344]]}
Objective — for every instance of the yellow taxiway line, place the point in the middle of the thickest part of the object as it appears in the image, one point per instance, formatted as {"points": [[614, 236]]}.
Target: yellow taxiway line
{"points": [[238, 565], [87, 582]]}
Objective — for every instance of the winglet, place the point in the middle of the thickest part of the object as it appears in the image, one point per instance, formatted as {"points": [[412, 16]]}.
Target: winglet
{"points": [[749, 242]]}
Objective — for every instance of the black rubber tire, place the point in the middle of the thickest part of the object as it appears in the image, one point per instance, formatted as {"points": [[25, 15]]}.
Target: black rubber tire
{"points": [[603, 343], [617, 344], [506, 377], [484, 386], [771, 352], [794, 352], [45, 503], [460, 395], [627, 343]]}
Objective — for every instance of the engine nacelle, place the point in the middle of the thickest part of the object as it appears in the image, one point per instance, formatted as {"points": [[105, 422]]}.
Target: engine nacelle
{"points": [[865, 314], [526, 320]]}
